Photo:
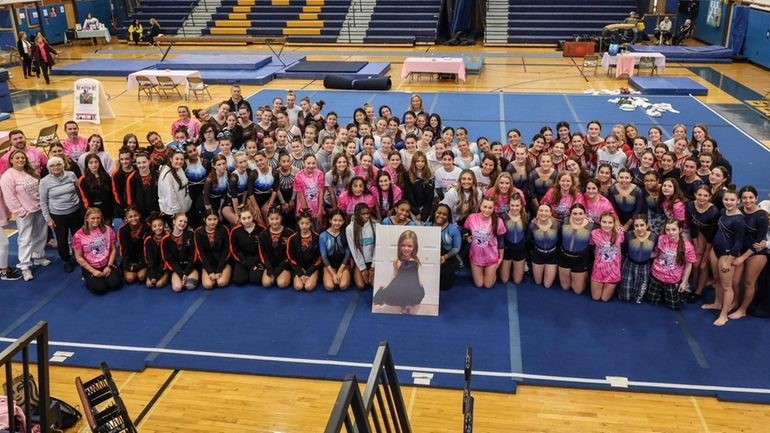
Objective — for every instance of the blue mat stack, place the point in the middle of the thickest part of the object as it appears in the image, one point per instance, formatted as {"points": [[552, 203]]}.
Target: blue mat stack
{"points": [[667, 86], [688, 54]]}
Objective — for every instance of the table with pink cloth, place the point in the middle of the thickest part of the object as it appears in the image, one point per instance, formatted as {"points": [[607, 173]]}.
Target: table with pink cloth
{"points": [[434, 65], [624, 63]]}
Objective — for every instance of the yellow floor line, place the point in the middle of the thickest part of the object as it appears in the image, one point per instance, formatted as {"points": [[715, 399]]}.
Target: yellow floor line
{"points": [[700, 415], [412, 398]]}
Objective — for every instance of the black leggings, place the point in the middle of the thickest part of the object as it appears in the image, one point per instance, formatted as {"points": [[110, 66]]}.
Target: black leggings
{"points": [[448, 269], [66, 225], [102, 285], [26, 65], [243, 275]]}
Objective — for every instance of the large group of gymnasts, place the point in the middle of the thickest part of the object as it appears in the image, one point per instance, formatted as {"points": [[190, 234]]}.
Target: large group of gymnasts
{"points": [[284, 195]]}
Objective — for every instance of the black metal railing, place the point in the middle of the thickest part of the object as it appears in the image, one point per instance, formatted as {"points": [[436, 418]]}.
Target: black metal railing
{"points": [[380, 409], [38, 334], [467, 397]]}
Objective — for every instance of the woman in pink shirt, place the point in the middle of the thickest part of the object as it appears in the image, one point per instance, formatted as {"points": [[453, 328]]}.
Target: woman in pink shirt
{"points": [[563, 195], [94, 247], [672, 202], [186, 121], [607, 240], [596, 203], [671, 267], [20, 186], [486, 232], [308, 189], [355, 194], [42, 54], [6, 273]]}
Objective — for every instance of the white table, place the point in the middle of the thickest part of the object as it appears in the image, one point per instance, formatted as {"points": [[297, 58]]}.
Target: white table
{"points": [[608, 60], [178, 77], [96, 33], [434, 65]]}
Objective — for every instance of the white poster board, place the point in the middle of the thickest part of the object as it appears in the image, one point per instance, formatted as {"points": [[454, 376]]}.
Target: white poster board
{"points": [[406, 270], [91, 103]]}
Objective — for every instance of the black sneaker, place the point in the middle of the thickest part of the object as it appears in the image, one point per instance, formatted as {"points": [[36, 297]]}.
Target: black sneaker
{"points": [[10, 274], [693, 297]]}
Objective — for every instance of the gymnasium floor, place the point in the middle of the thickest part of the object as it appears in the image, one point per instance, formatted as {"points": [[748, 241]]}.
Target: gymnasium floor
{"points": [[165, 400]]}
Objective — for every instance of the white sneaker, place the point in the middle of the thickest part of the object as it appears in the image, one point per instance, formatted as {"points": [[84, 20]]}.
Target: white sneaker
{"points": [[41, 261], [26, 274]]}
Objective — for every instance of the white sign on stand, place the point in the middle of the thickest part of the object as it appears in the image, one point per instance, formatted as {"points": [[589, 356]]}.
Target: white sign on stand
{"points": [[91, 103]]}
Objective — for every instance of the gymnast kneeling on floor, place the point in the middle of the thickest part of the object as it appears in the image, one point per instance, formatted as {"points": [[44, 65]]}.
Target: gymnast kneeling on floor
{"points": [[94, 247]]}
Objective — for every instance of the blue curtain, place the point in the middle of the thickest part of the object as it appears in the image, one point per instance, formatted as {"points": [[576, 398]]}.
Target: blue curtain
{"points": [[738, 29], [462, 16]]}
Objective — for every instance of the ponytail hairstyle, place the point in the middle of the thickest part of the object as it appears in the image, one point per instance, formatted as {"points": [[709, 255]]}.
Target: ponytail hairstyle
{"points": [[173, 172], [446, 208], [332, 213], [614, 233], [680, 249], [305, 214]]}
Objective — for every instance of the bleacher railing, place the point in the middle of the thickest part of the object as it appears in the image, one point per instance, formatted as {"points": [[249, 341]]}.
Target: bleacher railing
{"points": [[39, 335], [380, 409]]}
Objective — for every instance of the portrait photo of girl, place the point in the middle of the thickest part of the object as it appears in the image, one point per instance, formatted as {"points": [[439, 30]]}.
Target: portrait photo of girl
{"points": [[407, 268]]}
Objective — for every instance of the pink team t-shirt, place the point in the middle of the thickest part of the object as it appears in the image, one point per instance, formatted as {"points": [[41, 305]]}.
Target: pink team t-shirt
{"points": [[664, 267], [607, 256], [311, 186], [347, 203], [483, 250], [95, 245]]}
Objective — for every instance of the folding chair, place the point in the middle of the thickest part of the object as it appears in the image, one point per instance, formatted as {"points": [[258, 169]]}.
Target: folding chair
{"points": [[103, 407], [147, 86], [196, 84], [46, 137], [166, 84], [647, 62], [590, 62]]}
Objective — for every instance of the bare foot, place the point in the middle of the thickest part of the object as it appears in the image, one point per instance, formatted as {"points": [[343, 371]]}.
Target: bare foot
{"points": [[737, 314], [711, 306], [721, 320]]}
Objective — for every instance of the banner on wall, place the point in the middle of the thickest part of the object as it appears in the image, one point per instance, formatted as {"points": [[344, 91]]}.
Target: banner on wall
{"points": [[714, 16], [91, 103]]}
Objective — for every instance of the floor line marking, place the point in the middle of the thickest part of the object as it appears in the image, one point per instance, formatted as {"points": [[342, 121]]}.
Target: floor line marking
{"points": [[412, 398], [459, 372], [702, 419], [151, 405], [177, 327], [342, 330], [514, 331], [691, 342], [762, 146]]}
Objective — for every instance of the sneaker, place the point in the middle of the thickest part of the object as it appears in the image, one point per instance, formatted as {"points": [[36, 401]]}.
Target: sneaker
{"points": [[41, 261], [10, 274], [27, 274]]}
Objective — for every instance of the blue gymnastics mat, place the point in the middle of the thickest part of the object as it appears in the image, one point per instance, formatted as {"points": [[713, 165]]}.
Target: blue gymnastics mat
{"points": [[519, 334], [372, 69], [220, 62], [688, 54], [667, 86], [104, 67]]}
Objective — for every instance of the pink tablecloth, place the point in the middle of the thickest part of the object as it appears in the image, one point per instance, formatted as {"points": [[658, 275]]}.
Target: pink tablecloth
{"points": [[444, 65], [625, 65]]}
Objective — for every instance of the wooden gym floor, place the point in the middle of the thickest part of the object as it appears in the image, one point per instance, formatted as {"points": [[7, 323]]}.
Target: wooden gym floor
{"points": [[189, 401]]}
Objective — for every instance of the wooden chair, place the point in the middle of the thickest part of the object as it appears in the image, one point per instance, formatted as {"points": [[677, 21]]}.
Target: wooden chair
{"points": [[196, 84], [647, 63], [590, 62], [147, 86], [166, 84], [46, 137]]}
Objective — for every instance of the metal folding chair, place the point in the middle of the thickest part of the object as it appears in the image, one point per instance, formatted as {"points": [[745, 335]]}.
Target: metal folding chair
{"points": [[590, 62], [166, 84], [147, 86], [647, 63], [196, 85], [46, 137]]}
